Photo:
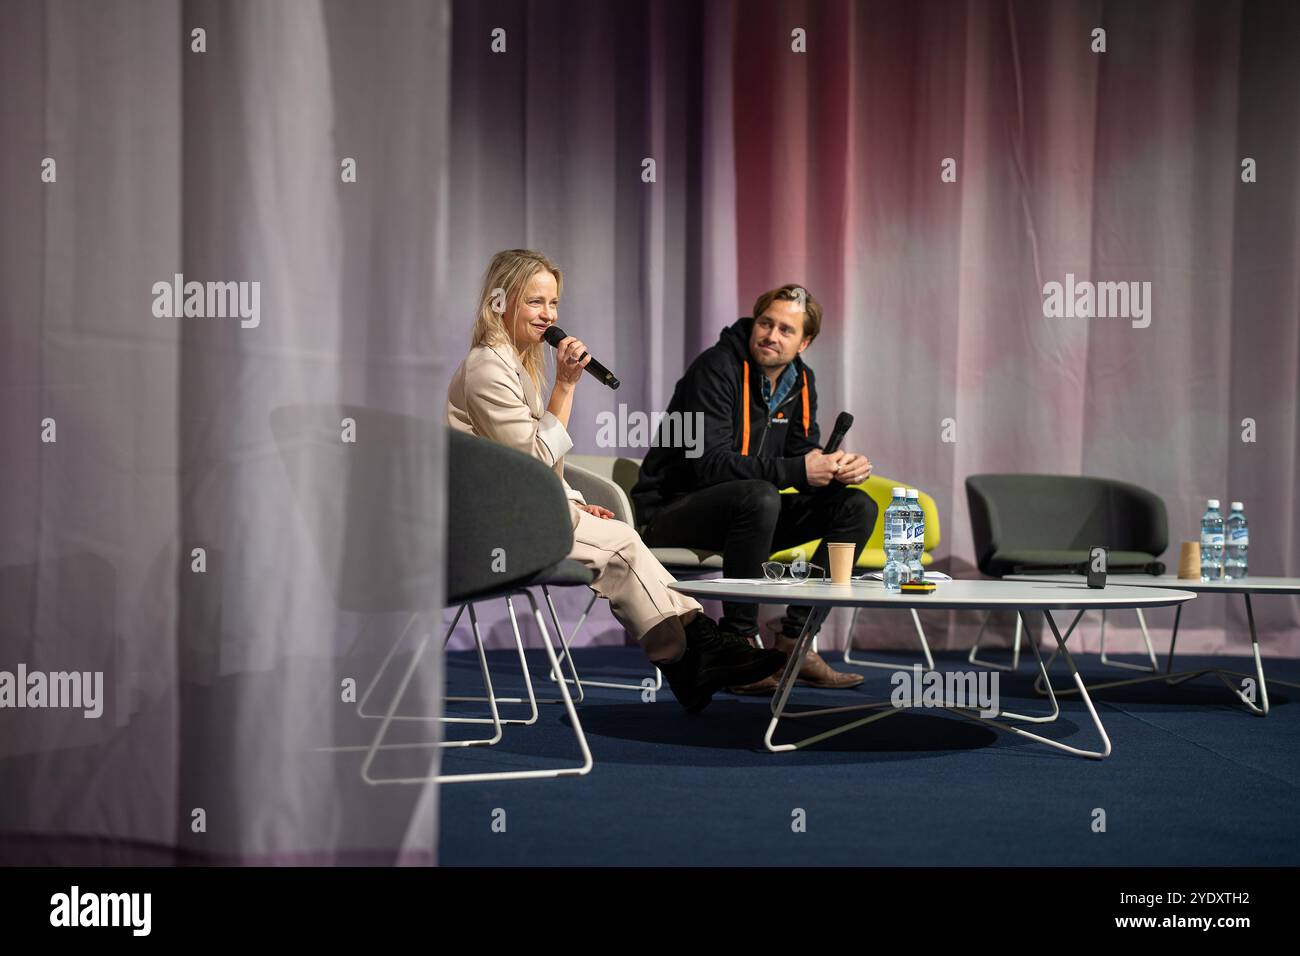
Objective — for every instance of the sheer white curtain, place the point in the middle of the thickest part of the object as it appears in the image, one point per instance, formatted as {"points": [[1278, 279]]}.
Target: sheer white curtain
{"points": [[222, 678]]}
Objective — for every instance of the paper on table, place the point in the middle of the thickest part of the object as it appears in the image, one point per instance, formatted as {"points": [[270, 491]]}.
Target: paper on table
{"points": [[752, 581], [880, 576]]}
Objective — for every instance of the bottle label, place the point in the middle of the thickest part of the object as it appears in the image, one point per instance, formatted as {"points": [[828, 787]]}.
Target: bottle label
{"points": [[1211, 539], [896, 531], [1240, 537]]}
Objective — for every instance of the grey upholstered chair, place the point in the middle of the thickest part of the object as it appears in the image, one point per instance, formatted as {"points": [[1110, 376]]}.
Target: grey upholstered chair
{"points": [[1046, 524], [372, 510]]}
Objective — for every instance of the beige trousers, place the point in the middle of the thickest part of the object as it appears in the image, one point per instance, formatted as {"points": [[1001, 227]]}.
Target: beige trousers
{"points": [[633, 581]]}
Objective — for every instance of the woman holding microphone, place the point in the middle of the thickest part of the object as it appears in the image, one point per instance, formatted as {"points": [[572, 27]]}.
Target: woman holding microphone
{"points": [[496, 393]]}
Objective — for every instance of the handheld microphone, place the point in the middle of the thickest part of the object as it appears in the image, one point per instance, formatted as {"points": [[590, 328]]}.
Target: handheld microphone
{"points": [[554, 335], [841, 429]]}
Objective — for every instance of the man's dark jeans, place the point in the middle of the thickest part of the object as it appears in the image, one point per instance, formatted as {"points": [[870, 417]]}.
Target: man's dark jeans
{"points": [[750, 520]]}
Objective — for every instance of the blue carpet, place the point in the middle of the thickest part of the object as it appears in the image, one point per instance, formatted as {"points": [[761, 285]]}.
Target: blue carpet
{"points": [[1194, 779]]}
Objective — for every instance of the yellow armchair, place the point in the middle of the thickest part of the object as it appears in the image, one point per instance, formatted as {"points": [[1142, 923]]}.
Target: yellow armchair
{"points": [[873, 555]]}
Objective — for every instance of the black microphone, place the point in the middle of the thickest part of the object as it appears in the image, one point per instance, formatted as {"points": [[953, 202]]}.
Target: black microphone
{"points": [[841, 429], [554, 335]]}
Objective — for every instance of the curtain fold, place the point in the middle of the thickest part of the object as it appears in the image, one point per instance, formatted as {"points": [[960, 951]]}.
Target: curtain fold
{"points": [[676, 159], [161, 539]]}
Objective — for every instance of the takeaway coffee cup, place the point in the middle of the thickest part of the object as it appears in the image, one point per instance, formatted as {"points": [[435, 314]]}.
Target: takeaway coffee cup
{"points": [[841, 561]]}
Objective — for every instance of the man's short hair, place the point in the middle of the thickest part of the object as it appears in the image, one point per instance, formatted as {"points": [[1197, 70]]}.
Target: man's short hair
{"points": [[793, 292]]}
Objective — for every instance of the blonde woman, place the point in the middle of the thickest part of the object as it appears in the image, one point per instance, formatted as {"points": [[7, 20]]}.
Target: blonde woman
{"points": [[496, 393]]}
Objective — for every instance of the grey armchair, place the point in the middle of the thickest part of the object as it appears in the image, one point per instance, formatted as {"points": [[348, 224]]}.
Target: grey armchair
{"points": [[371, 509], [1046, 523]]}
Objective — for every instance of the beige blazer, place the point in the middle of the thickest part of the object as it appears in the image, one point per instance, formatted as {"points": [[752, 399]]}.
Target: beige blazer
{"points": [[492, 395]]}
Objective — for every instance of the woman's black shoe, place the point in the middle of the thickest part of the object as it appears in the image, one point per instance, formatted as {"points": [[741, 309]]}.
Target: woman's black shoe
{"points": [[714, 660]]}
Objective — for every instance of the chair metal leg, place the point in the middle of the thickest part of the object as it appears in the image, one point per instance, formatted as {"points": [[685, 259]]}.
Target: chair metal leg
{"points": [[1015, 648], [361, 704], [564, 641], [390, 714], [1153, 668], [532, 700], [920, 635], [495, 720], [361, 634], [487, 683], [580, 735], [567, 652]]}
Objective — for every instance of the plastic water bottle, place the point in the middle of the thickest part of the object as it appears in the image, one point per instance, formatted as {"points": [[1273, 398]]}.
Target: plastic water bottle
{"points": [[1211, 542], [896, 516], [915, 535], [1235, 564]]}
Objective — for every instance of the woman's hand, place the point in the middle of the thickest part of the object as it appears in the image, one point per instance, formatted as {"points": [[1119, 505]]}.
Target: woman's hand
{"points": [[568, 367], [597, 510]]}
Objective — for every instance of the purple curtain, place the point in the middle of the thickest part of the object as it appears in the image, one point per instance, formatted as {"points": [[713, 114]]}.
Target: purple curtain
{"points": [[827, 167]]}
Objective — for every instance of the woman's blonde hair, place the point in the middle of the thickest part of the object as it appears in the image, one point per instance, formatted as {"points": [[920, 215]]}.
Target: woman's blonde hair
{"points": [[503, 284]]}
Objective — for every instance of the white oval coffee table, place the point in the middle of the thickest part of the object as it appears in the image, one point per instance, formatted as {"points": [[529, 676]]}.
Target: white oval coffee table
{"points": [[1020, 596], [1244, 586]]}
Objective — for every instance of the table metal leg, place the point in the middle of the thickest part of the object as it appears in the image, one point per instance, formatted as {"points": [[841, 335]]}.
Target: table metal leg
{"points": [[1015, 647], [1171, 678], [1153, 668], [887, 708], [1078, 680], [1260, 682], [792, 665], [1041, 679], [885, 665]]}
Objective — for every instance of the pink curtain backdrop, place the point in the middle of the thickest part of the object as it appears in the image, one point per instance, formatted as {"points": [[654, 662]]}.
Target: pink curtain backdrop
{"points": [[824, 168]]}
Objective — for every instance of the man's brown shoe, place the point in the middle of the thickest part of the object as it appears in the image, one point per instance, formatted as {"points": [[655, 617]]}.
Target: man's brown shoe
{"points": [[763, 688], [814, 671]]}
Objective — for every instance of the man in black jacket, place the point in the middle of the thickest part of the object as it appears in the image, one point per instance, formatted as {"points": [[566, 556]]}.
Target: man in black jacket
{"points": [[759, 403]]}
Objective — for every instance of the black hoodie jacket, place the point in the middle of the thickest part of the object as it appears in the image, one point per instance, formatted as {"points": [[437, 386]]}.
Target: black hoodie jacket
{"points": [[741, 440]]}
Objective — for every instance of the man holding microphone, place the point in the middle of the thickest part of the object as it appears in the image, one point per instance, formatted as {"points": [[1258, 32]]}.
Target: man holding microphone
{"points": [[759, 402]]}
